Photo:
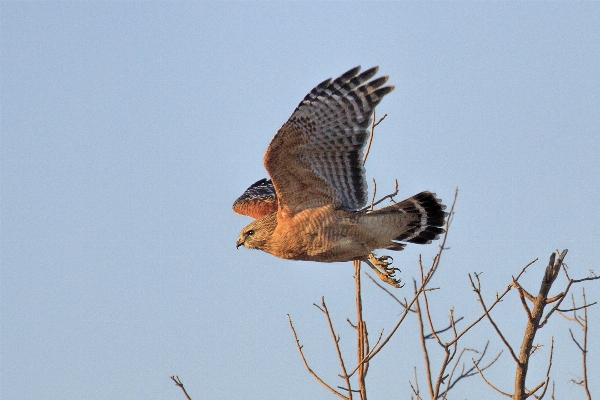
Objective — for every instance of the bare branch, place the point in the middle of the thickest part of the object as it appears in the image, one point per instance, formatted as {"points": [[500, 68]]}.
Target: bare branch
{"points": [[374, 193], [575, 341], [584, 352], [378, 348], [451, 326], [416, 382], [362, 347], [388, 196], [498, 300], [488, 382], [336, 341], [422, 341], [415, 391], [380, 119], [427, 311], [385, 289], [547, 380], [522, 291], [487, 314], [371, 132], [306, 363], [577, 308], [373, 125], [178, 382], [589, 278], [582, 322], [562, 295], [522, 294], [351, 324], [533, 324], [471, 371]]}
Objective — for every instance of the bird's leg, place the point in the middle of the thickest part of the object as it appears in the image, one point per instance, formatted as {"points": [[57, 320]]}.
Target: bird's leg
{"points": [[383, 270]]}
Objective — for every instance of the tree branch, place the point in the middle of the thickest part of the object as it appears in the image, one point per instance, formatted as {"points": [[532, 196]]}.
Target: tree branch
{"points": [[178, 382], [321, 381], [533, 323], [336, 341], [373, 125], [362, 347], [487, 314], [488, 382]]}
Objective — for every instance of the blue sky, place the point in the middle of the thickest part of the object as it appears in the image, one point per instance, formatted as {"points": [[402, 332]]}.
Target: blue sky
{"points": [[128, 129]]}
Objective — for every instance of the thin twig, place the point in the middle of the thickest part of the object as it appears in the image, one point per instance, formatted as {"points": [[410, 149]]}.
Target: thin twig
{"points": [[566, 290], [372, 131], [582, 322], [451, 326], [486, 311], [577, 308], [522, 294], [336, 341], [306, 363], [448, 353], [380, 119], [428, 312], [488, 382], [584, 352], [547, 380], [422, 341], [374, 193], [416, 381], [385, 289], [415, 391], [378, 348], [575, 341], [469, 372], [498, 300], [178, 382], [388, 196]]}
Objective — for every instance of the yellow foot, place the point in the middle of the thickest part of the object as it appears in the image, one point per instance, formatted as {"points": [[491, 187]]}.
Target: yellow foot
{"points": [[383, 270]]}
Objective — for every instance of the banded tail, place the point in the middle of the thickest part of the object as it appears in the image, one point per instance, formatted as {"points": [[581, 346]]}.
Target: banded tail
{"points": [[418, 219]]}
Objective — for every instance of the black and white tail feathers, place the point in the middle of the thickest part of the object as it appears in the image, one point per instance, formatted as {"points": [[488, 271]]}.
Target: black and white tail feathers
{"points": [[429, 218], [421, 219]]}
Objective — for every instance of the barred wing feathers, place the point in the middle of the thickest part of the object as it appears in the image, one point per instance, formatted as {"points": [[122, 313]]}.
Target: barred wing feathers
{"points": [[315, 158]]}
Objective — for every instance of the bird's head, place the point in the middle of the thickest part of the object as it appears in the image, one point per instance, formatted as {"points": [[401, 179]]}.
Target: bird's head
{"points": [[256, 234]]}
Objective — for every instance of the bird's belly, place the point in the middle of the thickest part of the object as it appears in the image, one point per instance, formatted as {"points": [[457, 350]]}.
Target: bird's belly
{"points": [[322, 235], [342, 249], [321, 248]]}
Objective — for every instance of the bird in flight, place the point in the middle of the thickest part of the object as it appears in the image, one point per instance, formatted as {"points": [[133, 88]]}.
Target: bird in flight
{"points": [[313, 207]]}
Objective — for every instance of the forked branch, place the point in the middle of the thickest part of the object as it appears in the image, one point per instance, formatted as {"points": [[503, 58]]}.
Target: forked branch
{"points": [[317, 377], [336, 341], [535, 321], [582, 321], [372, 131], [178, 383]]}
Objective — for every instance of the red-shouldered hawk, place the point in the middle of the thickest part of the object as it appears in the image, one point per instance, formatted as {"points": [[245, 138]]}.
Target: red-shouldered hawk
{"points": [[311, 208]]}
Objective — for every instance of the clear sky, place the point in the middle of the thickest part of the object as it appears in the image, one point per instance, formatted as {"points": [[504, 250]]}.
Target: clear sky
{"points": [[128, 129]]}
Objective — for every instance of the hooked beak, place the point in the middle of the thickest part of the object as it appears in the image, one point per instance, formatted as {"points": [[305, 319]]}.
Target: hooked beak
{"points": [[239, 243]]}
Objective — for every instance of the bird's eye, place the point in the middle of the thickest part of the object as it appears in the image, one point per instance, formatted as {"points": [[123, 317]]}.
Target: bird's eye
{"points": [[250, 232]]}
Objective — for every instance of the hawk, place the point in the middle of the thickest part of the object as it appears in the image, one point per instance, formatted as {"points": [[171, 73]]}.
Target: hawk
{"points": [[313, 208]]}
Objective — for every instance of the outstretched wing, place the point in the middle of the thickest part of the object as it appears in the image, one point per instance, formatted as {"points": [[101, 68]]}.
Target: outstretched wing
{"points": [[257, 201], [315, 158]]}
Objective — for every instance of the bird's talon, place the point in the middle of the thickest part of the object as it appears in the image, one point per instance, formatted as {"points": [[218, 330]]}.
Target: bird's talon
{"points": [[383, 270]]}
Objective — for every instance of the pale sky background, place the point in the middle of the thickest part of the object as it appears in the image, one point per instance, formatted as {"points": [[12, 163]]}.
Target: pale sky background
{"points": [[128, 129]]}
